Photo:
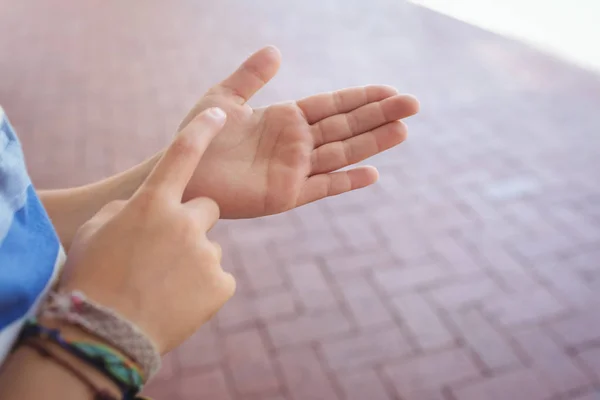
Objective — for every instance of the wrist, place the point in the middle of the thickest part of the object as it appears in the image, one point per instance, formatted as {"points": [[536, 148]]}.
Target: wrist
{"points": [[72, 333], [39, 368], [70, 208], [123, 185]]}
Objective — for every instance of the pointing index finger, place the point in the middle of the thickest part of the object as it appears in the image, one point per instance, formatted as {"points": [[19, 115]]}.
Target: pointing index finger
{"points": [[175, 168]]}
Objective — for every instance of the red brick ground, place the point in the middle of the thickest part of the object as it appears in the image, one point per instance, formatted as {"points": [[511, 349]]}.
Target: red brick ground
{"points": [[471, 271]]}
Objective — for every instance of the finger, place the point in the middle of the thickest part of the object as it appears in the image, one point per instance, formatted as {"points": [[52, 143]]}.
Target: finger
{"points": [[340, 154], [174, 170], [363, 119], [109, 210], [225, 287], [325, 185], [105, 214], [205, 212], [229, 285], [325, 105], [218, 251], [251, 76]]}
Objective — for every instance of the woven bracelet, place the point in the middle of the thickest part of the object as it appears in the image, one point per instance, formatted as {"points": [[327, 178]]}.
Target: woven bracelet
{"points": [[111, 364], [105, 323]]}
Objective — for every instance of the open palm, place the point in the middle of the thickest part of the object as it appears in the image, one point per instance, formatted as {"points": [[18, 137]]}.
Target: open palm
{"points": [[272, 159]]}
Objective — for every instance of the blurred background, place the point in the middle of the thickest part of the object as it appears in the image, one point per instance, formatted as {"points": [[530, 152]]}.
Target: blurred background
{"points": [[470, 271]]}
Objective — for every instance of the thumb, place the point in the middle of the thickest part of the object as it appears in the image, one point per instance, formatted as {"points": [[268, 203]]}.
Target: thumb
{"points": [[249, 78], [252, 75]]}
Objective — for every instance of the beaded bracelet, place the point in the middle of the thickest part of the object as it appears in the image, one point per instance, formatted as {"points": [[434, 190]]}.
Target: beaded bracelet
{"points": [[117, 368]]}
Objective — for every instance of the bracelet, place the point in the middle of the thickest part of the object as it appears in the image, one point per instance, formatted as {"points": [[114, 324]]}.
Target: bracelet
{"points": [[118, 369], [105, 323], [99, 394]]}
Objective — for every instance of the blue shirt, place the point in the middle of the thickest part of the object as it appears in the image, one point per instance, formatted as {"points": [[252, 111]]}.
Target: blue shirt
{"points": [[30, 251]]}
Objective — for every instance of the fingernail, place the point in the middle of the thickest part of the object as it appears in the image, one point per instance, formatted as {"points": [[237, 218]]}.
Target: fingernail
{"points": [[216, 113]]}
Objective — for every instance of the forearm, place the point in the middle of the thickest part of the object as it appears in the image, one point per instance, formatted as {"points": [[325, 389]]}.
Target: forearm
{"points": [[70, 208]]}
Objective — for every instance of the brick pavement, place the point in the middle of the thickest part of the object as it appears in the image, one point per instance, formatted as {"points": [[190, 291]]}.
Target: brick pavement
{"points": [[470, 271]]}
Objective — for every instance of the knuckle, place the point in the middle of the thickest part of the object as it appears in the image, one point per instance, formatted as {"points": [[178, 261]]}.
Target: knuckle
{"points": [[185, 145], [228, 286], [224, 285], [208, 252], [88, 228], [287, 111], [208, 208], [113, 207], [231, 285], [212, 208], [189, 229], [146, 201], [217, 251]]}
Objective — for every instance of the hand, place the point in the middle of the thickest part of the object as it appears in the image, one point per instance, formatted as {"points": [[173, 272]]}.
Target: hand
{"points": [[149, 258], [269, 160]]}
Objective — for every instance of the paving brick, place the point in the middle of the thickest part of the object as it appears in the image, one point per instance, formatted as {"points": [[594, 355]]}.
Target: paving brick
{"points": [[518, 385], [313, 243], [513, 275], [423, 322], [406, 244], [308, 327], [483, 208], [541, 245], [262, 271], [534, 306], [272, 305], [513, 188], [263, 397], [588, 396], [585, 260], [366, 348], [579, 328], [304, 375], [457, 257], [564, 280], [577, 223], [265, 276], [254, 233], [555, 366], [440, 219], [464, 291], [310, 284], [364, 384], [249, 363], [169, 367], [357, 264], [356, 232], [236, 313], [200, 350], [364, 303], [204, 385], [416, 276], [492, 347], [424, 377], [162, 389], [536, 224], [591, 358]]}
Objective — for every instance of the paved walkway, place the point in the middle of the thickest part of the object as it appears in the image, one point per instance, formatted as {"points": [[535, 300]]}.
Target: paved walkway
{"points": [[471, 271]]}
